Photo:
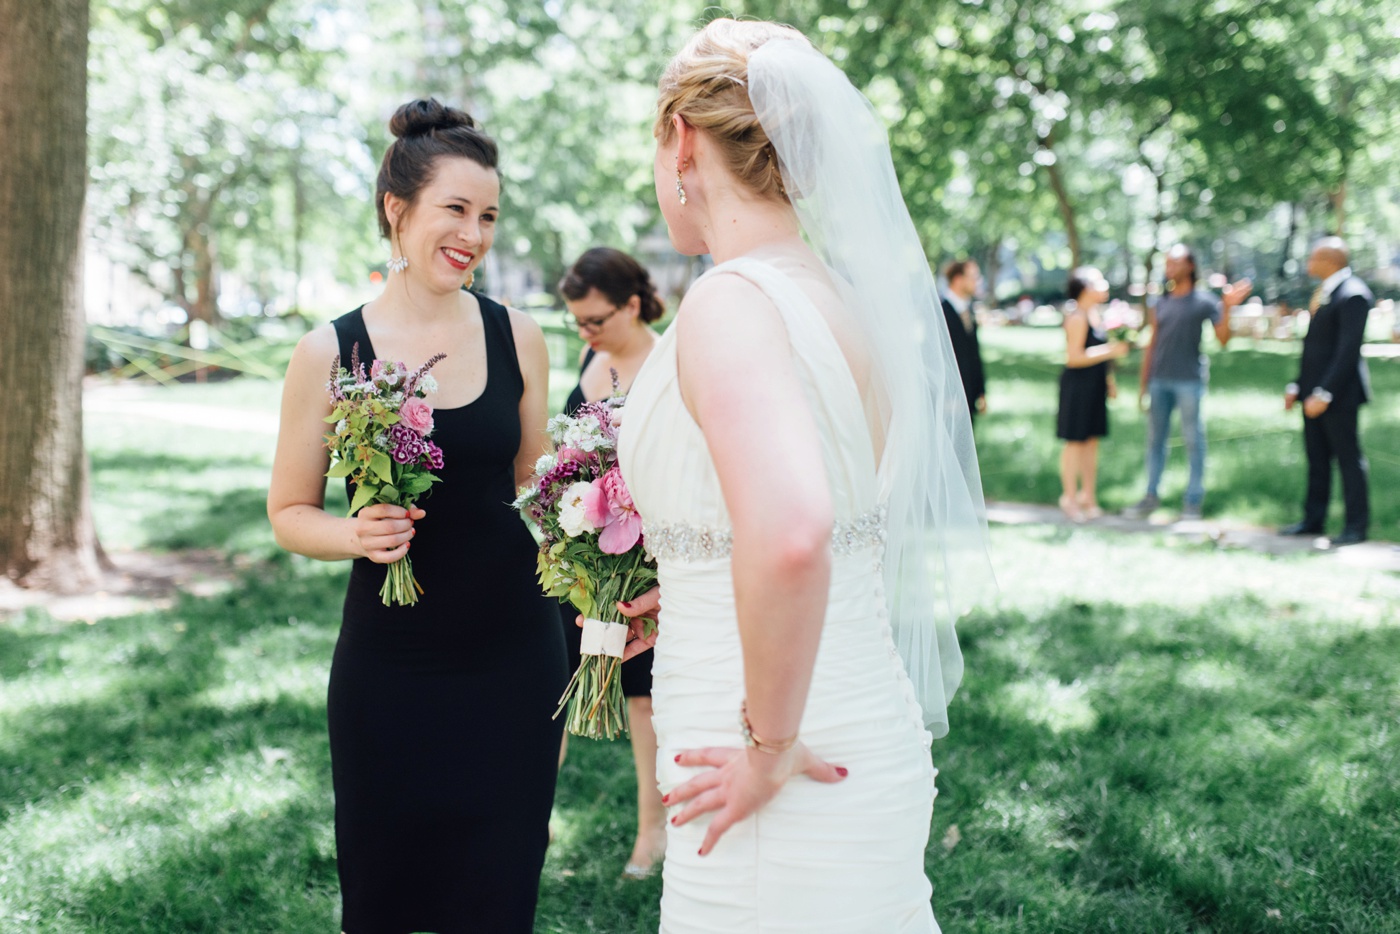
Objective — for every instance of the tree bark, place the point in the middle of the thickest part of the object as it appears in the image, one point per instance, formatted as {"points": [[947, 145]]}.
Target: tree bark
{"points": [[46, 531], [1057, 184]]}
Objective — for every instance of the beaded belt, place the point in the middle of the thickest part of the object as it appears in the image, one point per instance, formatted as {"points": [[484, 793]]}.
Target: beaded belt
{"points": [[681, 541]]}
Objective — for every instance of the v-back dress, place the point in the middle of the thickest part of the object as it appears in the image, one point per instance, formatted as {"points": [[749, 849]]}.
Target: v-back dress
{"points": [[844, 858], [443, 746]]}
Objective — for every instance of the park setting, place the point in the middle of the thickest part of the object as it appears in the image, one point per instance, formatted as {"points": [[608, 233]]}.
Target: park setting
{"points": [[1166, 723]]}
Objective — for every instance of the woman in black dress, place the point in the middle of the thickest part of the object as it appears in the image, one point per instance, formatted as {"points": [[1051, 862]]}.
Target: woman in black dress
{"points": [[443, 746], [612, 302], [1086, 385]]}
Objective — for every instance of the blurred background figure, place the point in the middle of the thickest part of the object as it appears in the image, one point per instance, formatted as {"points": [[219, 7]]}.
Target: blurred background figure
{"points": [[611, 300], [1334, 383], [1175, 373], [964, 278], [1086, 385]]}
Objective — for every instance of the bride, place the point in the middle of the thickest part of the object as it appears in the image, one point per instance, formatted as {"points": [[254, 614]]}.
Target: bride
{"points": [[799, 449]]}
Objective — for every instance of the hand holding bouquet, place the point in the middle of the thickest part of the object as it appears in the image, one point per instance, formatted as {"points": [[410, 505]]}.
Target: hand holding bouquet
{"points": [[591, 555], [380, 442], [1121, 322]]}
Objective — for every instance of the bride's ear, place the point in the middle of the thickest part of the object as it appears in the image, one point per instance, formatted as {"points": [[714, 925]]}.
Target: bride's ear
{"points": [[685, 141]]}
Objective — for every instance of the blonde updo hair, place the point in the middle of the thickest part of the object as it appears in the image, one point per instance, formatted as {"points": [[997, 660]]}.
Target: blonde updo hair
{"points": [[707, 84]]}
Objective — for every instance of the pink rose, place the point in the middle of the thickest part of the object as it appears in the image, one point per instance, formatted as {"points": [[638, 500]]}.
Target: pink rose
{"points": [[567, 454], [608, 506], [418, 415]]}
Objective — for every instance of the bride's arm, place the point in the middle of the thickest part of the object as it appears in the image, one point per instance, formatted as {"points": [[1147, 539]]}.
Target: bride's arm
{"points": [[739, 382]]}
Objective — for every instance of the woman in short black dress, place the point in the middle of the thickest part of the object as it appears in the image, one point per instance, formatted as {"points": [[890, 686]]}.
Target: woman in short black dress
{"points": [[443, 746], [1086, 385], [612, 302]]}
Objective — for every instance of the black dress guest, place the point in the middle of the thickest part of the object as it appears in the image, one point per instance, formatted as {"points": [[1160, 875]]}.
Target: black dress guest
{"points": [[442, 738], [1334, 383], [963, 279], [1086, 385]]}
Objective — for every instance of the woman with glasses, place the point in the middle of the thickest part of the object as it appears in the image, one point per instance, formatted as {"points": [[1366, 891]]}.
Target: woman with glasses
{"points": [[612, 303]]}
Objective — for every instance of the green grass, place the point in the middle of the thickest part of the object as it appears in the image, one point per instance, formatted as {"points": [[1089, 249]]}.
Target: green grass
{"points": [[1255, 468], [1152, 736]]}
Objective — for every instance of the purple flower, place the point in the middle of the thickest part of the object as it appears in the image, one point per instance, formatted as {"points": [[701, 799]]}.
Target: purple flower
{"points": [[434, 455]]}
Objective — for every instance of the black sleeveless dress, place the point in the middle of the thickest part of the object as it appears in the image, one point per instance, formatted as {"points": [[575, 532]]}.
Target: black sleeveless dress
{"points": [[443, 750], [636, 671], [1084, 396]]}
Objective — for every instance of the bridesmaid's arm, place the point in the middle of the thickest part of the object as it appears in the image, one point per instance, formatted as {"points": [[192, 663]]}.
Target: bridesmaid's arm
{"points": [[533, 355], [296, 495]]}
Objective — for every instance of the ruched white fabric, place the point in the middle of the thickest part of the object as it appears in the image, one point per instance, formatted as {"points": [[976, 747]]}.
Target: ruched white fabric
{"points": [[843, 858]]}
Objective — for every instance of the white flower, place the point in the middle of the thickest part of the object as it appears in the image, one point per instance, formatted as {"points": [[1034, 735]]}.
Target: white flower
{"points": [[428, 384], [573, 519], [557, 426], [545, 464], [340, 426], [585, 434]]}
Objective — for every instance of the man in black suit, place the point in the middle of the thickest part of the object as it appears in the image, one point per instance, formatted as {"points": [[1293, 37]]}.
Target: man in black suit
{"points": [[963, 278], [1334, 383]]}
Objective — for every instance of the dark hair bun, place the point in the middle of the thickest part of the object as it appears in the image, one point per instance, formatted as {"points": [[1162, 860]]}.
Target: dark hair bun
{"points": [[421, 117]]}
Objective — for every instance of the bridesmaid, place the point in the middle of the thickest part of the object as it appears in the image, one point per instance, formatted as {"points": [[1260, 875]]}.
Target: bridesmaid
{"points": [[612, 302], [1086, 385], [443, 746]]}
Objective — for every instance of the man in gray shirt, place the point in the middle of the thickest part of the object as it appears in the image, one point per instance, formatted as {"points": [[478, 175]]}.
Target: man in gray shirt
{"points": [[1174, 375]]}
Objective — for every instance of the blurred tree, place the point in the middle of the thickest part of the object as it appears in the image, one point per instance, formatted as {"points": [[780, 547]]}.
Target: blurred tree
{"points": [[220, 141], [46, 532]]}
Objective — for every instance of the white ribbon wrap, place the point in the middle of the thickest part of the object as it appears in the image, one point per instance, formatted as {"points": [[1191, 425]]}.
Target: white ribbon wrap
{"points": [[600, 638]]}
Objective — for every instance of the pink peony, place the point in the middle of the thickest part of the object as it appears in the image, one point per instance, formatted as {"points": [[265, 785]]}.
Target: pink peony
{"points": [[418, 415], [608, 506], [567, 455]]}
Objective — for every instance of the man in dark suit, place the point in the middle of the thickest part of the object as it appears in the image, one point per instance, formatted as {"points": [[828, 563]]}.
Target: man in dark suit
{"points": [[1333, 383], [963, 278]]}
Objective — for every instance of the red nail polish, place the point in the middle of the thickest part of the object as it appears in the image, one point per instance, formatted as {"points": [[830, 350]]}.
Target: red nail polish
{"points": [[674, 819], [678, 758], [665, 799], [842, 771]]}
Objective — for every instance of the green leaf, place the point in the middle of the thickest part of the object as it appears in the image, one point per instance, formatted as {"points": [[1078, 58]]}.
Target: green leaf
{"points": [[341, 468], [382, 466], [364, 495]]}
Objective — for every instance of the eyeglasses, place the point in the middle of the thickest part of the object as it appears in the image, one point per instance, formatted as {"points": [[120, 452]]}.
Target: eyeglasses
{"points": [[591, 325]]}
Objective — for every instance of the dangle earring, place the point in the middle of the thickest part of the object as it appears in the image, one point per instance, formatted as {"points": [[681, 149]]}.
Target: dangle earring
{"points": [[680, 188], [471, 277], [397, 263]]}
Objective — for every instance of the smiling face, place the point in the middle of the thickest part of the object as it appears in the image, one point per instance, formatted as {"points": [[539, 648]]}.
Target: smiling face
{"points": [[445, 232]]}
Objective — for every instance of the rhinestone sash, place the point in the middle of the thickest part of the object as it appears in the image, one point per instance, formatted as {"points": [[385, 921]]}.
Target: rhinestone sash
{"points": [[681, 541]]}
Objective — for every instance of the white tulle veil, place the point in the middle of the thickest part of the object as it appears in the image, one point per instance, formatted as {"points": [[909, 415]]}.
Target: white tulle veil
{"points": [[835, 161]]}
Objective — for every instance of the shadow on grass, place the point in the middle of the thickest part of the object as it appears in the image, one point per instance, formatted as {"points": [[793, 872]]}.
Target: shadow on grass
{"points": [[1159, 770]]}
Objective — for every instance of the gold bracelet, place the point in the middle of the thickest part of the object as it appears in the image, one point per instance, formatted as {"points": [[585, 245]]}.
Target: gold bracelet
{"points": [[754, 741]]}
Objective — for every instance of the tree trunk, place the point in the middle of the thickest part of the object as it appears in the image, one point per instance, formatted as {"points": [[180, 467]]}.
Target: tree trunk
{"points": [[1337, 198], [46, 531], [1057, 184]]}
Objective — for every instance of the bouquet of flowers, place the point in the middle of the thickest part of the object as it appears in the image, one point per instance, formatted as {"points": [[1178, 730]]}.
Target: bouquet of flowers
{"points": [[380, 441], [591, 555], [1121, 322]]}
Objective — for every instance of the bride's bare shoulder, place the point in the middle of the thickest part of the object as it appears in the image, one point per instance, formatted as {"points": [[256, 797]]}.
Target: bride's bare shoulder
{"points": [[723, 299]]}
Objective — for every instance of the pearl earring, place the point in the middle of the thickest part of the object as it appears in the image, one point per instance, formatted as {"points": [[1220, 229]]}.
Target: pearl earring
{"points": [[680, 188]]}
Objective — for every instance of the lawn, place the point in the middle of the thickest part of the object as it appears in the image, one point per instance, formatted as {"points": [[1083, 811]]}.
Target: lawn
{"points": [[1152, 735]]}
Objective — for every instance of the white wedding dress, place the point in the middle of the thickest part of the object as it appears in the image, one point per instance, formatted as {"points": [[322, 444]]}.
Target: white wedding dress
{"points": [[844, 858]]}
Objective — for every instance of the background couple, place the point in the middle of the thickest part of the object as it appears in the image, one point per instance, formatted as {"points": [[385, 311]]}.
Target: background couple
{"points": [[804, 409]]}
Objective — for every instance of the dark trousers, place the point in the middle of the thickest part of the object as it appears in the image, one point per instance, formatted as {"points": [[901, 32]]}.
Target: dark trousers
{"points": [[1332, 436]]}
